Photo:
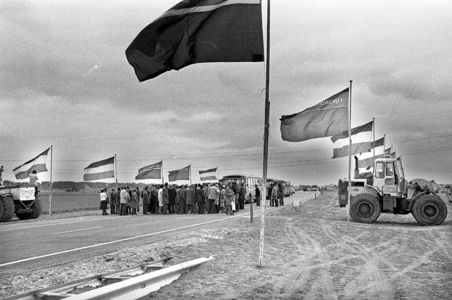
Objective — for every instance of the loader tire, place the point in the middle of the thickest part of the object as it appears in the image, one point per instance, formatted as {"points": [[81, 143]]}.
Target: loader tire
{"points": [[6, 208], [37, 208], [365, 208], [429, 210]]}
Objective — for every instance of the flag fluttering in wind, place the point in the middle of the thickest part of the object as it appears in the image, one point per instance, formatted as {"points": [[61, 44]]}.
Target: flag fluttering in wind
{"points": [[198, 31], [210, 174], [150, 172], [354, 132], [357, 148], [37, 164], [100, 170], [181, 174], [327, 118], [361, 140]]}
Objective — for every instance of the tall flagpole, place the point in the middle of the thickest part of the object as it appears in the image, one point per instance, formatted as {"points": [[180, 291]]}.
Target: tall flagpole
{"points": [[51, 182], [350, 150], [161, 173], [116, 174], [266, 133], [373, 139], [189, 173]]}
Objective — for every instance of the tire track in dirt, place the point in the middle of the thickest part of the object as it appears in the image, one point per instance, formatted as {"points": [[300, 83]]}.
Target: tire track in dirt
{"points": [[307, 279], [369, 278]]}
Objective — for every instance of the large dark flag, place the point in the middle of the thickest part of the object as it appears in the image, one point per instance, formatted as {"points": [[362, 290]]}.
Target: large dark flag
{"points": [[182, 174], [327, 118], [37, 164], [100, 170], [150, 172], [198, 31]]}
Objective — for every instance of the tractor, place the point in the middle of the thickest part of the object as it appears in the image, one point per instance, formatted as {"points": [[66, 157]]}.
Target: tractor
{"points": [[387, 191], [21, 200]]}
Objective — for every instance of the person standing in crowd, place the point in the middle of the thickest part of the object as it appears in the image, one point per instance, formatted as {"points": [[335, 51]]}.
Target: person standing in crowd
{"points": [[236, 189], [274, 195], [123, 202], [103, 201], [281, 194], [242, 195], [212, 197], [258, 195], [129, 201], [160, 199], [205, 189], [146, 200], [229, 198], [154, 200], [118, 201], [134, 202], [200, 198], [139, 199], [34, 181], [176, 200], [172, 199], [112, 201], [190, 200], [165, 199], [182, 200], [222, 200]]}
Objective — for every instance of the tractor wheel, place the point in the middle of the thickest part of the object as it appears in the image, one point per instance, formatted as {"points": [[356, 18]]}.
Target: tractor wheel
{"points": [[429, 210], [37, 208], [6, 208], [365, 208]]}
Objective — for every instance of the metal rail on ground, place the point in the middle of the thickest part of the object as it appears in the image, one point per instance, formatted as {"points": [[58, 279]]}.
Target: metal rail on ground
{"points": [[117, 284]]}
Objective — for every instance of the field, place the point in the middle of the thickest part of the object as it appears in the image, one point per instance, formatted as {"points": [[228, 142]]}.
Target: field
{"points": [[70, 201], [309, 254]]}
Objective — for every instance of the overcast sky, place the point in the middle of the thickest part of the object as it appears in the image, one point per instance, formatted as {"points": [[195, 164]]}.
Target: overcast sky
{"points": [[65, 81]]}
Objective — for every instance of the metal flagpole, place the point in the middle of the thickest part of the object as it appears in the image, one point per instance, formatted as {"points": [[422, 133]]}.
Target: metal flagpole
{"points": [[116, 174], [189, 173], [51, 182], [373, 139], [161, 173], [266, 130], [350, 151]]}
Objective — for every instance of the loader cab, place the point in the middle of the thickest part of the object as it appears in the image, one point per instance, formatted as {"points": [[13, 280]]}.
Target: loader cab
{"points": [[389, 177]]}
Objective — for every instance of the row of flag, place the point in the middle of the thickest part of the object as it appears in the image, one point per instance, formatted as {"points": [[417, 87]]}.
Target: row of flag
{"points": [[329, 118], [106, 169]]}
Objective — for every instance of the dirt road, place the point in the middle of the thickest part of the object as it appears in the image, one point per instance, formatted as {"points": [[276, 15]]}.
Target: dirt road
{"points": [[309, 254]]}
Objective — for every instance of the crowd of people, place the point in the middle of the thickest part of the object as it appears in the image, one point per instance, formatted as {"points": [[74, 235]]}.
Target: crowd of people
{"points": [[174, 199]]}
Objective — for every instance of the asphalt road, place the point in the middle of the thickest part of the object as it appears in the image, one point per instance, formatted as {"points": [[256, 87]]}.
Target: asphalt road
{"points": [[32, 244]]}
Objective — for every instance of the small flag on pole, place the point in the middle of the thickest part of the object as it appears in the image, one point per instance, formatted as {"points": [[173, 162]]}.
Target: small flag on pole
{"points": [[359, 135], [37, 164], [354, 132], [327, 118], [150, 172], [198, 31], [181, 174], [100, 170], [210, 174]]}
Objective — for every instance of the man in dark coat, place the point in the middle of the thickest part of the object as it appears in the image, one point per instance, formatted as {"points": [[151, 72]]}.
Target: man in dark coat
{"points": [[146, 201], [165, 199], [242, 195], [182, 194], [172, 199], [200, 199], [190, 199]]}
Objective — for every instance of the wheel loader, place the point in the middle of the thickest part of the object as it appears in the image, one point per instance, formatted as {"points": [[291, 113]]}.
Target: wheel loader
{"points": [[388, 191], [21, 200]]}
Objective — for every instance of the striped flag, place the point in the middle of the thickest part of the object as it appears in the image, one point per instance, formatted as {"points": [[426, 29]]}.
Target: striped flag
{"points": [[361, 140], [210, 174], [327, 118], [150, 172], [198, 31], [37, 164], [357, 148], [182, 174], [100, 170]]}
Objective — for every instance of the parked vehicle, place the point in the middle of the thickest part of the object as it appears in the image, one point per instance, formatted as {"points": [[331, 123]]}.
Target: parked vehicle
{"points": [[20, 200]]}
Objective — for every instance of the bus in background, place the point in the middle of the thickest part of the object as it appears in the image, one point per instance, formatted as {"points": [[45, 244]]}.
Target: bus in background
{"points": [[250, 184], [270, 182], [287, 188]]}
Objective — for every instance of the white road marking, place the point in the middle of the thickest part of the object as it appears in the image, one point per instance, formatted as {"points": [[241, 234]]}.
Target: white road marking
{"points": [[78, 230]]}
